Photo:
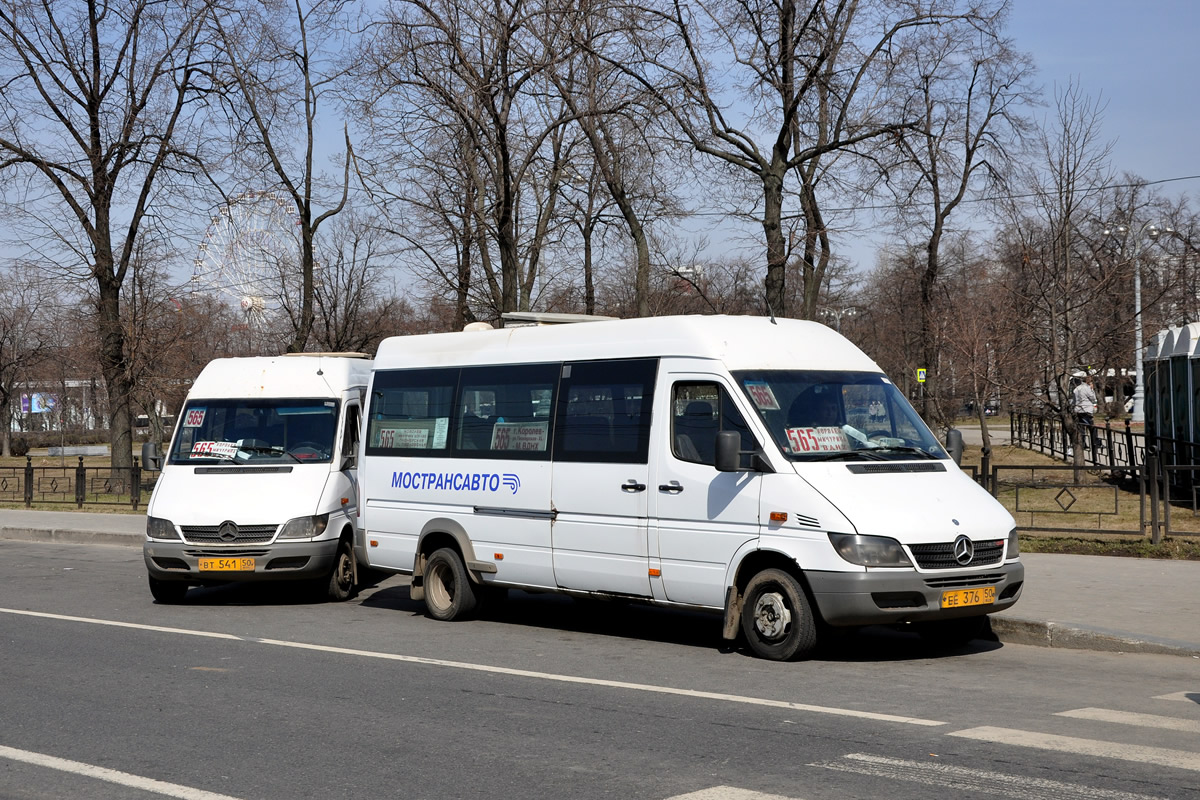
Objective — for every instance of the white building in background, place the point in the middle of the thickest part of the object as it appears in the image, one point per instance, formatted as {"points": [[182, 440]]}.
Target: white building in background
{"points": [[59, 405]]}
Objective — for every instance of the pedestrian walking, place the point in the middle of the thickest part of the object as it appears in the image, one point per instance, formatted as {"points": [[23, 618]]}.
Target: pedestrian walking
{"points": [[1084, 408]]}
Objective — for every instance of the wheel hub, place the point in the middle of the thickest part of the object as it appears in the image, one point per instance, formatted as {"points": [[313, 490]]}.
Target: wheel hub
{"points": [[771, 615]]}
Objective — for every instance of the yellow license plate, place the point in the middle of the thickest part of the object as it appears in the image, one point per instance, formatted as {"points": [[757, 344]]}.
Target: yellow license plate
{"points": [[960, 598], [227, 565]]}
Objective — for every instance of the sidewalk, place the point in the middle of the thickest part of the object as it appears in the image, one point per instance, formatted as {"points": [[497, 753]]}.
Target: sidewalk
{"points": [[1131, 605]]}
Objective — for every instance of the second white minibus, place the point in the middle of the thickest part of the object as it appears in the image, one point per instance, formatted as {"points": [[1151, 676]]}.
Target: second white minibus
{"points": [[764, 469]]}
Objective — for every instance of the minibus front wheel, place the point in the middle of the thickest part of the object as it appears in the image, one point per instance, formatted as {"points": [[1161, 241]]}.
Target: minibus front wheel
{"points": [[168, 592], [449, 594], [776, 617]]}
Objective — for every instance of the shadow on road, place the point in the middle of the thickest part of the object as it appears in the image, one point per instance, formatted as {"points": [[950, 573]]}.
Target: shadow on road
{"points": [[631, 620]]}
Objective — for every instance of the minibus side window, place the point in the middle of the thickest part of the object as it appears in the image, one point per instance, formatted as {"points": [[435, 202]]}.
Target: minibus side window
{"points": [[698, 412], [503, 412], [411, 412], [350, 433], [604, 410]]}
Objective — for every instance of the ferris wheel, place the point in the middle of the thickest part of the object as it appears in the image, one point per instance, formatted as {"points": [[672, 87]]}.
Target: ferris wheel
{"points": [[250, 252]]}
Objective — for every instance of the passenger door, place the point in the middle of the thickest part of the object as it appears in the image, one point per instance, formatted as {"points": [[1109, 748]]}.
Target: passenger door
{"points": [[703, 516], [601, 476], [347, 479]]}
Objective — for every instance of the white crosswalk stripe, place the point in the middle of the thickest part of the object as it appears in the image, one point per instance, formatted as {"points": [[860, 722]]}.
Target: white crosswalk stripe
{"points": [[728, 793], [1161, 756], [1187, 697], [992, 784], [1131, 718]]}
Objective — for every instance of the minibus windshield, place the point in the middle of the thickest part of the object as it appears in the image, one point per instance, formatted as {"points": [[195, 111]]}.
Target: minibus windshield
{"points": [[830, 415], [261, 431]]}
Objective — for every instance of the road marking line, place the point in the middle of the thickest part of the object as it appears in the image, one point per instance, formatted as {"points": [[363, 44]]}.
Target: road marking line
{"points": [[520, 673], [1187, 697], [1131, 718], [1163, 757], [110, 775], [728, 793], [993, 784]]}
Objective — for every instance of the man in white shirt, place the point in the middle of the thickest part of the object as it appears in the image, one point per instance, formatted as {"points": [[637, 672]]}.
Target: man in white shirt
{"points": [[1084, 406]]}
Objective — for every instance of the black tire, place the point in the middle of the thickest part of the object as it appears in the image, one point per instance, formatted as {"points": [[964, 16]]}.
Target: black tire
{"points": [[449, 594], [340, 583], [957, 632], [168, 592], [777, 620]]}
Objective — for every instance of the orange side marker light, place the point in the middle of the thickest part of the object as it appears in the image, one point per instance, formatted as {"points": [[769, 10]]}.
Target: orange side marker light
{"points": [[778, 516]]}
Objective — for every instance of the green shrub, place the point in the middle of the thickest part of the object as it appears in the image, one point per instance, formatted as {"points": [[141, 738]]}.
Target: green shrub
{"points": [[19, 446]]}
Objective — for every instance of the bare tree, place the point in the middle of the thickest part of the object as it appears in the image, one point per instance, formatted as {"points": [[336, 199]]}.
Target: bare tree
{"points": [[808, 79], [969, 84], [284, 63], [355, 309], [98, 98], [469, 81], [615, 115], [1048, 252], [25, 336]]}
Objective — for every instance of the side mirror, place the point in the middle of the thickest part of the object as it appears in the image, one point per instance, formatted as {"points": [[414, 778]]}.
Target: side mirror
{"points": [[152, 456], [954, 445], [729, 444]]}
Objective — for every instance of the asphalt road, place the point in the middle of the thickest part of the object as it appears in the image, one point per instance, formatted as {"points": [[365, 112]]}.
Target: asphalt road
{"points": [[250, 692]]}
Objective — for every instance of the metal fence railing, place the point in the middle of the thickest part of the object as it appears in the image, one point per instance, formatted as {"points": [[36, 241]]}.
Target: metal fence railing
{"points": [[76, 485], [1120, 465]]}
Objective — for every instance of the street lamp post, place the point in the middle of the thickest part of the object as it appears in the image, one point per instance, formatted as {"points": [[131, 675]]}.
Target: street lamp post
{"points": [[1152, 232], [837, 314]]}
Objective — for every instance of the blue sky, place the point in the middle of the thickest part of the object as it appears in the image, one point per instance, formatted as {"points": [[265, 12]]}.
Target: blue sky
{"points": [[1142, 57]]}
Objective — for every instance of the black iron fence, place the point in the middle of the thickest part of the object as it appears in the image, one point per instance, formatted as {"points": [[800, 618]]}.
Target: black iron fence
{"points": [[1128, 483], [76, 485]]}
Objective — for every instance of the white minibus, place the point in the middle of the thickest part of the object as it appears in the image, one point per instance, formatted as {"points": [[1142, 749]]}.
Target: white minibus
{"points": [[764, 469], [259, 483]]}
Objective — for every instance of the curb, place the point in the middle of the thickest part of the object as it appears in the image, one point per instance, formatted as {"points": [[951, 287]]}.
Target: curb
{"points": [[1011, 630], [68, 536]]}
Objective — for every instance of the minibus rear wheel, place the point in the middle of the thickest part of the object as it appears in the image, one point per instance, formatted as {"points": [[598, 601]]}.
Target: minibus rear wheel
{"points": [[449, 594], [776, 617]]}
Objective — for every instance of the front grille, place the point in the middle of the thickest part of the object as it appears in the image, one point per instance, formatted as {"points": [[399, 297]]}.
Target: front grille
{"points": [[245, 534], [209, 552], [941, 555], [961, 581]]}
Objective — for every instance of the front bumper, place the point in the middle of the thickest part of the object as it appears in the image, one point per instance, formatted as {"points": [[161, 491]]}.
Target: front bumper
{"points": [[281, 561], [879, 598]]}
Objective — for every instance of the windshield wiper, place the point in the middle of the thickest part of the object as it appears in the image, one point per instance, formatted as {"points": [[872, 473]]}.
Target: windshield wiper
{"points": [[267, 449], [904, 449], [865, 455]]}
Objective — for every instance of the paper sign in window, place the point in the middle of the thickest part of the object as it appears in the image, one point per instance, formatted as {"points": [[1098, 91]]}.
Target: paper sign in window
{"points": [[760, 392], [527, 436], [817, 440]]}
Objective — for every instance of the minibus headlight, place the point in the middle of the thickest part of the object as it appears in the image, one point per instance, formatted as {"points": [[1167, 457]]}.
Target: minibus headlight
{"points": [[869, 551], [304, 527], [1014, 546], [159, 528]]}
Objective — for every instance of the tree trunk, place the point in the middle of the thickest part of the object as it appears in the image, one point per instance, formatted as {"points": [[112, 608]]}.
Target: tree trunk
{"points": [[115, 368], [774, 284]]}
